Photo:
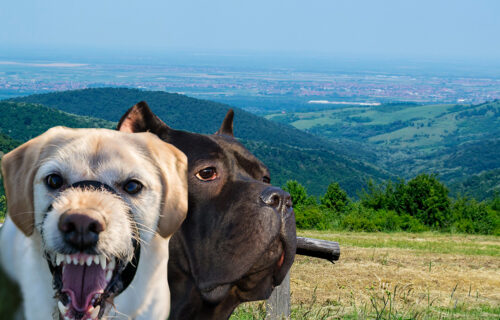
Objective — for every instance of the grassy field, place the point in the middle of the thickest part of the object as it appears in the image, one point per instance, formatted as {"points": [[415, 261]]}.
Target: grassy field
{"points": [[396, 276]]}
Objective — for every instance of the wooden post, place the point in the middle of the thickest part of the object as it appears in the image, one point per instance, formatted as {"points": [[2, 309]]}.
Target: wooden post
{"points": [[323, 249], [278, 306]]}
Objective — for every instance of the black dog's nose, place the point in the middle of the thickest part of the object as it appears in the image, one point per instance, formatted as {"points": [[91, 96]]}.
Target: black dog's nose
{"points": [[276, 198], [81, 231]]}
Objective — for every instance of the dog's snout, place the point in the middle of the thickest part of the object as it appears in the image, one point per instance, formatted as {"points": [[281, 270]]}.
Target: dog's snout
{"points": [[81, 231], [276, 198]]}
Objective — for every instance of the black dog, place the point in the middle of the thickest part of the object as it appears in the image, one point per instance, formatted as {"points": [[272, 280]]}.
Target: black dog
{"points": [[238, 240]]}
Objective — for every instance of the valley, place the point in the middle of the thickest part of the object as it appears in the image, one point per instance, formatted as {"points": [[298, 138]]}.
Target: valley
{"points": [[454, 141]]}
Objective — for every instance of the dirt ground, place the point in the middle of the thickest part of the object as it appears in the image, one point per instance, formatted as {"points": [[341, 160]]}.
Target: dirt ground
{"points": [[414, 279]]}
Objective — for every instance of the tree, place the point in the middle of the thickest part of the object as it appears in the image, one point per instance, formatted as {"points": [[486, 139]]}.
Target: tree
{"points": [[335, 198], [426, 198], [298, 193]]}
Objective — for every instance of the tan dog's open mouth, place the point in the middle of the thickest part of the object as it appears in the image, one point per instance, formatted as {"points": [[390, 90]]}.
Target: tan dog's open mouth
{"points": [[87, 284]]}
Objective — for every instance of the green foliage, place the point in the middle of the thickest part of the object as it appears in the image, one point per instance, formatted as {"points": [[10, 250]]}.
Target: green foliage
{"points": [[481, 186], [314, 217], [3, 207], [298, 193], [23, 121], [335, 198], [367, 219], [426, 198], [7, 143], [418, 205], [470, 216], [423, 197], [456, 141]]}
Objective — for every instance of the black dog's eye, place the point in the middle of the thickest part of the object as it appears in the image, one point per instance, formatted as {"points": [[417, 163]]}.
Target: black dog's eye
{"points": [[54, 181], [266, 179], [132, 187], [207, 174]]}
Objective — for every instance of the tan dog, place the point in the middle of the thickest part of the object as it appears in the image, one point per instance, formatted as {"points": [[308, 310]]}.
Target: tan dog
{"points": [[90, 214]]}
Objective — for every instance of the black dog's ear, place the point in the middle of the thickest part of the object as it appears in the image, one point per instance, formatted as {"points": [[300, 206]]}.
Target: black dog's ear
{"points": [[140, 118], [227, 125]]}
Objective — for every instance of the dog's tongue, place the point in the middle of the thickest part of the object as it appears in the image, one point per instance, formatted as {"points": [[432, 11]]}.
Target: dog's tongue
{"points": [[82, 283]]}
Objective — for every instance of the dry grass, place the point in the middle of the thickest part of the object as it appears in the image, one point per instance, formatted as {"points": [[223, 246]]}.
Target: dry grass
{"points": [[422, 276]]}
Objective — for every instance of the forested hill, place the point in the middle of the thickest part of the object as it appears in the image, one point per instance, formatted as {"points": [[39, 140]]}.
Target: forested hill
{"points": [[288, 152], [184, 113], [23, 121]]}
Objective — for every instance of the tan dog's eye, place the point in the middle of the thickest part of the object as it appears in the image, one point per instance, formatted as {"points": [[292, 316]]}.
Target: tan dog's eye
{"points": [[132, 187], [266, 179], [54, 181], [207, 174]]}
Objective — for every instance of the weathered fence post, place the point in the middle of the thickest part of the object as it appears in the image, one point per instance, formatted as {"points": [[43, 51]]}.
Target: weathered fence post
{"points": [[278, 305]]}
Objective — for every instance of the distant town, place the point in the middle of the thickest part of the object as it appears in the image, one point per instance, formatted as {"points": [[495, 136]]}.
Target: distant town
{"points": [[221, 83]]}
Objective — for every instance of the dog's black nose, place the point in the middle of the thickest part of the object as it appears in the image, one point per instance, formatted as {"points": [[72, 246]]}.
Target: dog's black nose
{"points": [[81, 231], [276, 198]]}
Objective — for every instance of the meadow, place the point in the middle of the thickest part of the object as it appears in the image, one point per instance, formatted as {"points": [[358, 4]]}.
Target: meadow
{"points": [[395, 276]]}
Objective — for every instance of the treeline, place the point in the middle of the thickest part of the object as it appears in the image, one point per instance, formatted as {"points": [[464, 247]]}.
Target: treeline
{"points": [[420, 204]]}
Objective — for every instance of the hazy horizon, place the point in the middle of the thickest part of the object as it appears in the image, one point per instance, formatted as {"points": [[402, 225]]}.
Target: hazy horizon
{"points": [[443, 30]]}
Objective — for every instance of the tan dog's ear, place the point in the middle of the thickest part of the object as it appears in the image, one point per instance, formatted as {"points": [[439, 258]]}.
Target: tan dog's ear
{"points": [[173, 169], [18, 170]]}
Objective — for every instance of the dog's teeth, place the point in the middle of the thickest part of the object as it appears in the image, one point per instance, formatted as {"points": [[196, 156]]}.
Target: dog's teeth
{"points": [[109, 275], [112, 264], [89, 260], [103, 262], [95, 312], [68, 259], [62, 308], [96, 259], [75, 260], [59, 259], [82, 261]]}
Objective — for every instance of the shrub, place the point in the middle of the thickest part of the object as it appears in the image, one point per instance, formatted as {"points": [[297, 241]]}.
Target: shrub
{"points": [[470, 216], [367, 219], [313, 217]]}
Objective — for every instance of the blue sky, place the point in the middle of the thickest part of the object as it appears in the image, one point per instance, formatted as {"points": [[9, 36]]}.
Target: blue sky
{"points": [[438, 28]]}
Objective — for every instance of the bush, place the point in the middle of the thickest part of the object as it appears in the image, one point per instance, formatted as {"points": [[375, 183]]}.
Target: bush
{"points": [[313, 217], [470, 216], [368, 219]]}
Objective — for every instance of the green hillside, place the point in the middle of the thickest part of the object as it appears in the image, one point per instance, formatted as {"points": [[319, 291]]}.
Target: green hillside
{"points": [[23, 121], [481, 186], [289, 153], [454, 141], [7, 143]]}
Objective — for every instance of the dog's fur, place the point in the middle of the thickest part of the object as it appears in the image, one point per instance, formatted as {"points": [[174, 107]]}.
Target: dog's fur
{"points": [[238, 240], [30, 237]]}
